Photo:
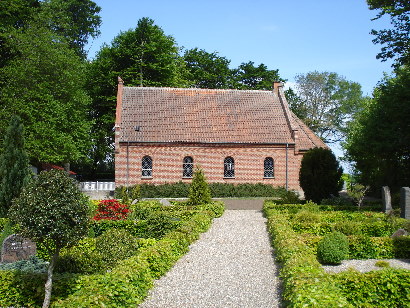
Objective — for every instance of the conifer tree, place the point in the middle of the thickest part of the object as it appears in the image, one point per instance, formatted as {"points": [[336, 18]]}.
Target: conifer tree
{"points": [[14, 165], [199, 192]]}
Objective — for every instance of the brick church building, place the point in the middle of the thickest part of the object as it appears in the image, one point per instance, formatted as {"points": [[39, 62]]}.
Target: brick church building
{"points": [[235, 136]]}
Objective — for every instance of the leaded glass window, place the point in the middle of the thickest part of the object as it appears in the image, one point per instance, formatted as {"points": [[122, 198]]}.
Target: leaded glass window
{"points": [[268, 167], [187, 167], [229, 167], [146, 165]]}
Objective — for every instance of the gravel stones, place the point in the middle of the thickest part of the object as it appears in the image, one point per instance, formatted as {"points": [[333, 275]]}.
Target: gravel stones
{"points": [[231, 265]]}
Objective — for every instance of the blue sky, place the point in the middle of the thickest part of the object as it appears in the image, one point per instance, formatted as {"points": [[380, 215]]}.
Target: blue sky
{"points": [[294, 36]]}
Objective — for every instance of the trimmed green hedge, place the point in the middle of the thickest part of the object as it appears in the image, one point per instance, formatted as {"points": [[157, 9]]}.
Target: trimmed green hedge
{"points": [[383, 288], [126, 285], [305, 284], [218, 190]]}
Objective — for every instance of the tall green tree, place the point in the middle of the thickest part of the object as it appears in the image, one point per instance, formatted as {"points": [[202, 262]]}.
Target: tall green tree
{"points": [[250, 77], [44, 85], [53, 211], [396, 41], [144, 56], [14, 165], [207, 70], [378, 142], [326, 102]]}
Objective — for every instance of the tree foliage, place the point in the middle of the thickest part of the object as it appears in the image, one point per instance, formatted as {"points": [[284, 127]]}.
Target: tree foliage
{"points": [[396, 41], [199, 192], [207, 70], [379, 139], [325, 102], [51, 210], [141, 56], [44, 85], [250, 77], [14, 166], [320, 174]]}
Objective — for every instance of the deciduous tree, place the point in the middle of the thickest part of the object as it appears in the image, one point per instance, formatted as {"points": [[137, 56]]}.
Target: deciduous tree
{"points": [[141, 56], [396, 41], [326, 102], [378, 142], [44, 85]]}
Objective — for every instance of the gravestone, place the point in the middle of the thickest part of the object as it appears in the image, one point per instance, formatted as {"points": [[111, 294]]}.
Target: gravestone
{"points": [[16, 248], [386, 198], [405, 202], [165, 202]]}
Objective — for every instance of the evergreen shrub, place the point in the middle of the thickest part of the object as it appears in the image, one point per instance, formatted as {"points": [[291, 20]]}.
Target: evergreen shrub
{"points": [[333, 248], [320, 174]]}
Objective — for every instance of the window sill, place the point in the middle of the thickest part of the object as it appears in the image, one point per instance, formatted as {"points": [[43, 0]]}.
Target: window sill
{"points": [[231, 177], [146, 178], [187, 177], [271, 177]]}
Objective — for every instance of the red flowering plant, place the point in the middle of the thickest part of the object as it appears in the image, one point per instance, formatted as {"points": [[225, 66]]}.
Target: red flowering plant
{"points": [[111, 210]]}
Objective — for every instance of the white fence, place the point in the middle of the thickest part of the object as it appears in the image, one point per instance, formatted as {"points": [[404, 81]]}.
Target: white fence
{"points": [[97, 186]]}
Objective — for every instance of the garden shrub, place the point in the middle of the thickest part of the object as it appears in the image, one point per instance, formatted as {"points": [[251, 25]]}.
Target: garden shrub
{"points": [[361, 247], [111, 210], [320, 174], [82, 258], [116, 245], [383, 288], [348, 227], [306, 216], [158, 224], [199, 192], [333, 248], [31, 265]]}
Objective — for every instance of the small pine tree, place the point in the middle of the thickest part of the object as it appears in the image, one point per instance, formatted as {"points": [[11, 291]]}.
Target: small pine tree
{"points": [[199, 192], [320, 174], [14, 165]]}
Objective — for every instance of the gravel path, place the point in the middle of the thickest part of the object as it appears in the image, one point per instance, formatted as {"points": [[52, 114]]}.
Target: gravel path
{"points": [[231, 265]]}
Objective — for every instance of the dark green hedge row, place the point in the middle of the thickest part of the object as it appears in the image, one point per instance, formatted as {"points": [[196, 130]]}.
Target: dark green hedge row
{"points": [[218, 190], [126, 285], [307, 285]]}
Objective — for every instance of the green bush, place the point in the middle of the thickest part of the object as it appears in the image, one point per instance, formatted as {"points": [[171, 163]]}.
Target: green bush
{"points": [[348, 227], [320, 174], [333, 248], [199, 192], [383, 288], [32, 265]]}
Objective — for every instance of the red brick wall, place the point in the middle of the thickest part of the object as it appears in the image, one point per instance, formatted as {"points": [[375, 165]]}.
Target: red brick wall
{"points": [[167, 164]]}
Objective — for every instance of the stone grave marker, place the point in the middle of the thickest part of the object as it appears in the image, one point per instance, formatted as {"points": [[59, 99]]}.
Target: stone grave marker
{"points": [[16, 248], [165, 202], [386, 199], [405, 202]]}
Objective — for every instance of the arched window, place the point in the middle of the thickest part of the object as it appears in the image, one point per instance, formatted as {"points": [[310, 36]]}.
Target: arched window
{"points": [[268, 167], [229, 167], [146, 167], [187, 167]]}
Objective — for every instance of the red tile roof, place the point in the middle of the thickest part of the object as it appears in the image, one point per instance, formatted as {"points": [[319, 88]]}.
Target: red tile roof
{"points": [[208, 116]]}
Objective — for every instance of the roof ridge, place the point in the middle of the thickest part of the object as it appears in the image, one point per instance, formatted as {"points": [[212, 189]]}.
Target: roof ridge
{"points": [[196, 89]]}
